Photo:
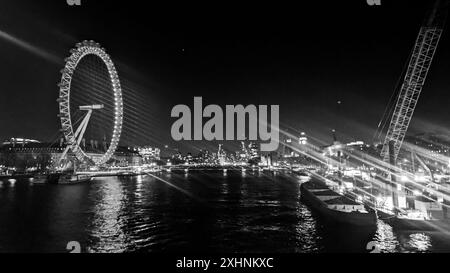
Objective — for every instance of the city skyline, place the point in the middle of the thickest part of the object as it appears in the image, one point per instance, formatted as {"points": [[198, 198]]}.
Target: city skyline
{"points": [[336, 80]]}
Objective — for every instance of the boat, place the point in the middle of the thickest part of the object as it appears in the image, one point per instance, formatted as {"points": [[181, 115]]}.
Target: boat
{"points": [[336, 208], [46, 178], [302, 175], [415, 221], [70, 179], [425, 216], [40, 179]]}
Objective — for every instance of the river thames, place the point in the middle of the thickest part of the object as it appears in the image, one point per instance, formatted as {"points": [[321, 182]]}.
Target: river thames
{"points": [[188, 213]]}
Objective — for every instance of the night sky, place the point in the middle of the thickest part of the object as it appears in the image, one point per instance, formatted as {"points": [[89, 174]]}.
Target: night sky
{"points": [[302, 56]]}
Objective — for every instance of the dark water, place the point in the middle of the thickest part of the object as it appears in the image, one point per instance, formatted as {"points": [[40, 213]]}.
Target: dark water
{"points": [[183, 213]]}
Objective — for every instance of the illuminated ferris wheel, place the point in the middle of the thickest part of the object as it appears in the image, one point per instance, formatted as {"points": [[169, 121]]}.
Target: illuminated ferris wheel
{"points": [[90, 108]]}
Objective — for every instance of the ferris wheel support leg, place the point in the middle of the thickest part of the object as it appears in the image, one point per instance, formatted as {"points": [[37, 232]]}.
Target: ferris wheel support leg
{"points": [[79, 133], [63, 155], [83, 127]]}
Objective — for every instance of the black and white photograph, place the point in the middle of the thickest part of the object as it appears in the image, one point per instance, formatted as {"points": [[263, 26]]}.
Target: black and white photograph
{"points": [[222, 135]]}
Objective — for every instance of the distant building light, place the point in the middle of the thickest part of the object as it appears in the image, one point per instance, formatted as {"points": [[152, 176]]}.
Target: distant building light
{"points": [[20, 141], [355, 143]]}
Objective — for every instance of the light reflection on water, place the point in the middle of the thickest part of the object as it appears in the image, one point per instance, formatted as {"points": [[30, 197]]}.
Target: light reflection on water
{"points": [[203, 212], [306, 235], [385, 238], [107, 223], [420, 241], [139, 189]]}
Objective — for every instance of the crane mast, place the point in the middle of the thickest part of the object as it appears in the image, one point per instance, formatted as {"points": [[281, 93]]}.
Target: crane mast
{"points": [[416, 73]]}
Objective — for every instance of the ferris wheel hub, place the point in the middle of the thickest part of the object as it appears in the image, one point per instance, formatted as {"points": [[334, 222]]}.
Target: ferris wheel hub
{"points": [[91, 107]]}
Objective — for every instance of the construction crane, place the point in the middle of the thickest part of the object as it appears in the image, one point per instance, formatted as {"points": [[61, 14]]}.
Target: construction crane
{"points": [[414, 79]]}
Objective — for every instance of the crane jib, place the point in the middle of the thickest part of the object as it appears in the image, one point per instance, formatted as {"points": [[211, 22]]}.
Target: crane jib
{"points": [[419, 65]]}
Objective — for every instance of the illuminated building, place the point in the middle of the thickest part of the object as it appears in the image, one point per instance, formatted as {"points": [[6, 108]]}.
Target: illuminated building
{"points": [[253, 151], [286, 147], [221, 155], [302, 140], [19, 141], [27, 155], [149, 154]]}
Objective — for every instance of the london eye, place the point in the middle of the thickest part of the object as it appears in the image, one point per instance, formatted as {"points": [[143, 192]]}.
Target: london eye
{"points": [[90, 104]]}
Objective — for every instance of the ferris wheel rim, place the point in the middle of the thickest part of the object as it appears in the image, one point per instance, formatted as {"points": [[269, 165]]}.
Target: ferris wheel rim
{"points": [[77, 54]]}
